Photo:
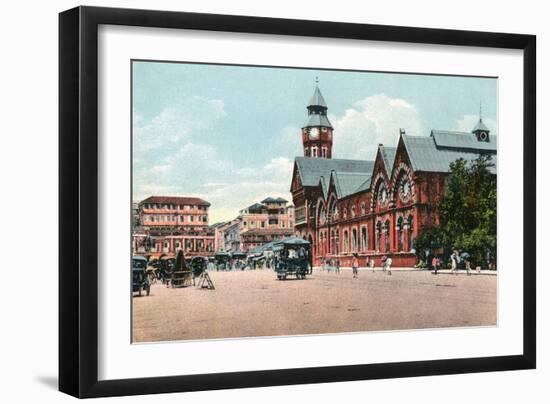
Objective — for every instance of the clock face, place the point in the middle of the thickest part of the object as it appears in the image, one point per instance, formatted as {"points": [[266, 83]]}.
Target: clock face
{"points": [[314, 133]]}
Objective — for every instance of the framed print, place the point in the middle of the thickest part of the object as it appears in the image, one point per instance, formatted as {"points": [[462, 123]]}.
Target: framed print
{"points": [[252, 202]]}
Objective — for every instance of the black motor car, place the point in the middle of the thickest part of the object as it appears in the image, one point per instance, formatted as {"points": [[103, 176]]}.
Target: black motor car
{"points": [[140, 280]]}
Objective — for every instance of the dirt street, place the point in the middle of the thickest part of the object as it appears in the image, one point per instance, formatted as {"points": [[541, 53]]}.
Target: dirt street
{"points": [[255, 303]]}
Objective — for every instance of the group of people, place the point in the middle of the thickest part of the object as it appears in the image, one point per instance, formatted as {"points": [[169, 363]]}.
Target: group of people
{"points": [[386, 264], [455, 259]]}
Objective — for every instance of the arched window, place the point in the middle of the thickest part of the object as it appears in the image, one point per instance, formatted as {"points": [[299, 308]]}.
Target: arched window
{"points": [[387, 236], [382, 194], [332, 243], [400, 233], [346, 241], [354, 240], [363, 208], [322, 215], [363, 239], [410, 229], [378, 235], [345, 213], [353, 211]]}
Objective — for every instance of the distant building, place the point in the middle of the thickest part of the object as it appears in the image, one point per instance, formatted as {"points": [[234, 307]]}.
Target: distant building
{"points": [[173, 212], [170, 223], [260, 223], [232, 241], [219, 235]]}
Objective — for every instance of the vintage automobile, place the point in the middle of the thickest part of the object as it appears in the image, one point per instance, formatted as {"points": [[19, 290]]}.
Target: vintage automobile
{"points": [[292, 258], [221, 260], [140, 281]]}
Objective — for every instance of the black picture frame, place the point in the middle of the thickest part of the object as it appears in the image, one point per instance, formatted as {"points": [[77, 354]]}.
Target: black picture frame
{"points": [[78, 201]]}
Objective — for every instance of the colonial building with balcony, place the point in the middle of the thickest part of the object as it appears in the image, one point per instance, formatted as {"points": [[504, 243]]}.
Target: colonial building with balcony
{"points": [[170, 223], [260, 223]]}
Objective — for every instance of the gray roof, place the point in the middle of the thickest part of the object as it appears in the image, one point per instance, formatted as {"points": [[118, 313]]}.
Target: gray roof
{"points": [[269, 199], [324, 186], [426, 154], [350, 183], [311, 169], [480, 126], [462, 141], [317, 120], [317, 98], [388, 156], [256, 206]]}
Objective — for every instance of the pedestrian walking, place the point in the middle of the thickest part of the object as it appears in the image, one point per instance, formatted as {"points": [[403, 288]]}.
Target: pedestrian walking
{"points": [[383, 261], [354, 265], [371, 263], [435, 264], [454, 262], [388, 265]]}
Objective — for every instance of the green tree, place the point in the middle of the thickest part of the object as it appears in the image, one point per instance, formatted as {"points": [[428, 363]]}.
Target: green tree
{"points": [[431, 239], [467, 212]]}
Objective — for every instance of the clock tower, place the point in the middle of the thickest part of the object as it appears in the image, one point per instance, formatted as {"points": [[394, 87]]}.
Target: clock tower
{"points": [[317, 131]]}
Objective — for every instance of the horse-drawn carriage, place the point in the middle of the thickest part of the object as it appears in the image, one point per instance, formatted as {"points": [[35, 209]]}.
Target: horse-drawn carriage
{"points": [[293, 257]]}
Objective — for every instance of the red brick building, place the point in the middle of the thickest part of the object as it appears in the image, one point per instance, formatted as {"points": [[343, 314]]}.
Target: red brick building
{"points": [[374, 208], [170, 223]]}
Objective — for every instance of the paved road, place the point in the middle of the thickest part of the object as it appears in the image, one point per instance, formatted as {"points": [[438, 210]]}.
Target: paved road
{"points": [[255, 303]]}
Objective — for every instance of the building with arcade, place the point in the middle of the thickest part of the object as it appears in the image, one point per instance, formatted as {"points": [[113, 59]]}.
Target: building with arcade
{"points": [[167, 224], [374, 208]]}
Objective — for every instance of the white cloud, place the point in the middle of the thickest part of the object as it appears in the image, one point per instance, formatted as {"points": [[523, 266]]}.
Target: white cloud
{"points": [[467, 123], [279, 166], [173, 156], [175, 124], [373, 120], [288, 142]]}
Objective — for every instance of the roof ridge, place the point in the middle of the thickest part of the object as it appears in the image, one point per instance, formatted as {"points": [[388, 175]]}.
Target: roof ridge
{"points": [[351, 173]]}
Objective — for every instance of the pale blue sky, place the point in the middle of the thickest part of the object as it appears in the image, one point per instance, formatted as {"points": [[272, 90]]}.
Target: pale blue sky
{"points": [[230, 133]]}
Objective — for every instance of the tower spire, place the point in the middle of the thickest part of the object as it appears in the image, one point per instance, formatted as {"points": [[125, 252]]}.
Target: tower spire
{"points": [[481, 130], [317, 130]]}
